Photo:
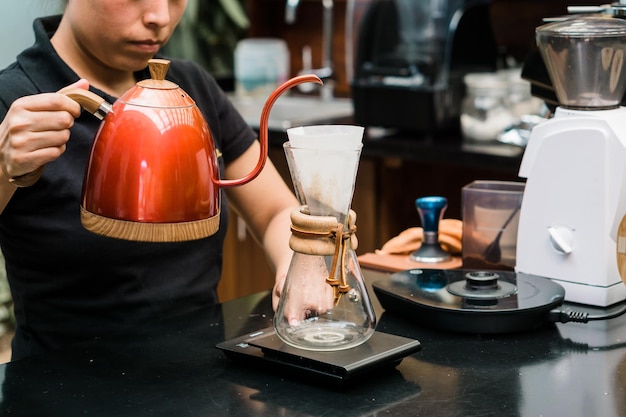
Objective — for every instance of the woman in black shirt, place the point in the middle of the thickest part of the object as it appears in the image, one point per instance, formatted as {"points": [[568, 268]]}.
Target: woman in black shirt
{"points": [[67, 283]]}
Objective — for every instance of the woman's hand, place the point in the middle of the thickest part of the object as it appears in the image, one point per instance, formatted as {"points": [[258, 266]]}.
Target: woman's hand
{"points": [[309, 294], [35, 131]]}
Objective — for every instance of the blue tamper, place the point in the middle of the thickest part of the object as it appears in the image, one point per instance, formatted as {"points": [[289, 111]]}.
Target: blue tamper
{"points": [[431, 211]]}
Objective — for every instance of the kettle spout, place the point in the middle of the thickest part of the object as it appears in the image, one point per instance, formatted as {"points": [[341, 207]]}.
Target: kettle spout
{"points": [[263, 127]]}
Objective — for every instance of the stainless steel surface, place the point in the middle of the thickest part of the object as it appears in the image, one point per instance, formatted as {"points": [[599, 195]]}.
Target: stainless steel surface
{"points": [[292, 111]]}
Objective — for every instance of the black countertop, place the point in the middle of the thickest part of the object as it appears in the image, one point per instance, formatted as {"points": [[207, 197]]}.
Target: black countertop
{"points": [[447, 150], [171, 368], [441, 149]]}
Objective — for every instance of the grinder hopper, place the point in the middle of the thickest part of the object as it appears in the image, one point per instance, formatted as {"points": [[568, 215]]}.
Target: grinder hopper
{"points": [[585, 60]]}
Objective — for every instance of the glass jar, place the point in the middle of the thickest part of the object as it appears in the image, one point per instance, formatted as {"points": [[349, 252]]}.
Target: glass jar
{"points": [[484, 111], [520, 100]]}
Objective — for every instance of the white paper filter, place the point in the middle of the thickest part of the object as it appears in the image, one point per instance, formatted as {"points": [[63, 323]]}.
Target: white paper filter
{"points": [[327, 161]]}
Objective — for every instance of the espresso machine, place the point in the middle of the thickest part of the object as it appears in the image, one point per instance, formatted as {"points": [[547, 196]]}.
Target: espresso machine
{"points": [[575, 163], [410, 60]]}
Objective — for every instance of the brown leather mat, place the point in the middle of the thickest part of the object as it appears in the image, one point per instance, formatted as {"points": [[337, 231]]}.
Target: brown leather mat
{"points": [[395, 263]]}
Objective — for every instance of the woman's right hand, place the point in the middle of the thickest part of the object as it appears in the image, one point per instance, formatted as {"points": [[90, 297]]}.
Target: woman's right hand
{"points": [[35, 131]]}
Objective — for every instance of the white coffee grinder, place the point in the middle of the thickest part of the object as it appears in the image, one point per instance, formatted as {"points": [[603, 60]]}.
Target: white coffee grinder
{"points": [[575, 163]]}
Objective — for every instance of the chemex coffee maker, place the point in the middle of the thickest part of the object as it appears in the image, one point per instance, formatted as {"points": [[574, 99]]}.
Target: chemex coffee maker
{"points": [[411, 57], [575, 163]]}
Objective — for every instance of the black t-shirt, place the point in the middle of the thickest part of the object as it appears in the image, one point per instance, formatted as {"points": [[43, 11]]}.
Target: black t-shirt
{"points": [[69, 284]]}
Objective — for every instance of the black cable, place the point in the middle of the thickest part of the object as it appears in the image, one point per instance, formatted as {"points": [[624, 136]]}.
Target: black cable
{"points": [[568, 315]]}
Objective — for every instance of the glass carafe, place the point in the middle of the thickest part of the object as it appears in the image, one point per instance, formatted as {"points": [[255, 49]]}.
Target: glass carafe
{"points": [[324, 304]]}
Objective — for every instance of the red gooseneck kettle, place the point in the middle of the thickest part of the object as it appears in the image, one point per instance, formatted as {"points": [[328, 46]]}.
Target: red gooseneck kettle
{"points": [[152, 174]]}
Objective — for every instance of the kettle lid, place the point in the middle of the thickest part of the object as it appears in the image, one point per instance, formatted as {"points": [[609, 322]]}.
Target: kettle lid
{"points": [[157, 91]]}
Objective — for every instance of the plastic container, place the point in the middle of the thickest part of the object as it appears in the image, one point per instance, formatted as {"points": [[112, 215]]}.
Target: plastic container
{"points": [[585, 59], [490, 223], [261, 65]]}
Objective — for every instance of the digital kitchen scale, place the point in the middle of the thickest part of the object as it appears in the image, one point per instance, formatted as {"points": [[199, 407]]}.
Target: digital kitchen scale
{"points": [[264, 348], [470, 301]]}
